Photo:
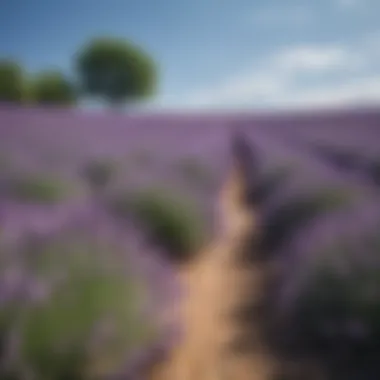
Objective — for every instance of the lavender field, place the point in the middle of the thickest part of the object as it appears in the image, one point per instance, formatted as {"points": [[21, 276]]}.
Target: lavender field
{"points": [[98, 210]]}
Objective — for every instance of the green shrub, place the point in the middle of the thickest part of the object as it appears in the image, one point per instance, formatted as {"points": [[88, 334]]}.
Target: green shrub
{"points": [[90, 320], [12, 81], [295, 213], [52, 87], [39, 188], [170, 220], [99, 172]]}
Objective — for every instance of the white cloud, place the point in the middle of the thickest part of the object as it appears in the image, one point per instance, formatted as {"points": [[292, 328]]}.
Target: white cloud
{"points": [[281, 15], [275, 82], [360, 91], [313, 58]]}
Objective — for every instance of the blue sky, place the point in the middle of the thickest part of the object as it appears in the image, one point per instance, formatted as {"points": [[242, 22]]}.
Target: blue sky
{"points": [[216, 53]]}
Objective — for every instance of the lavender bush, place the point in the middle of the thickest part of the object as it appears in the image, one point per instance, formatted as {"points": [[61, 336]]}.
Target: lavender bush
{"points": [[271, 181], [45, 288], [71, 307], [170, 220], [38, 188], [329, 296], [286, 219], [374, 171], [98, 173], [341, 305]]}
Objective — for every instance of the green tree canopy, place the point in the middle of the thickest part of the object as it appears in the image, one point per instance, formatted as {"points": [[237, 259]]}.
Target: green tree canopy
{"points": [[116, 70], [11, 81], [52, 87]]}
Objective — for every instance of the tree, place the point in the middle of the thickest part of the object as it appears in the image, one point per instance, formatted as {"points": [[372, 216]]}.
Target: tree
{"points": [[11, 81], [52, 87], [116, 70]]}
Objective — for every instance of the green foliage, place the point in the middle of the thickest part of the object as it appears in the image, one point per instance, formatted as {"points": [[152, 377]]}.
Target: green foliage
{"points": [[99, 172], [301, 210], [11, 82], [39, 188], [90, 319], [170, 220], [52, 88], [116, 70]]}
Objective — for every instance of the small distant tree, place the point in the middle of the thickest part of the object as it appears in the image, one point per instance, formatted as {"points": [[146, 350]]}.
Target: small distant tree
{"points": [[52, 87], [11, 81], [116, 70]]}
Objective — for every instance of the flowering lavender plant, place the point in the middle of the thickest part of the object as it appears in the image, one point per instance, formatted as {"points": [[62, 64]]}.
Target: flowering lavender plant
{"points": [[70, 308]]}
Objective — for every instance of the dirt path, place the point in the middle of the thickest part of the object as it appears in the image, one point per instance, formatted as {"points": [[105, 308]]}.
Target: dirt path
{"points": [[220, 283], [216, 285]]}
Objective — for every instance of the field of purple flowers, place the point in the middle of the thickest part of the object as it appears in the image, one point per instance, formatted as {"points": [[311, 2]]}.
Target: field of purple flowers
{"points": [[96, 210]]}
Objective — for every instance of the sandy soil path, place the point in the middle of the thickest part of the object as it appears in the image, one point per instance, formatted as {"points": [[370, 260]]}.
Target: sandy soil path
{"points": [[216, 286]]}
